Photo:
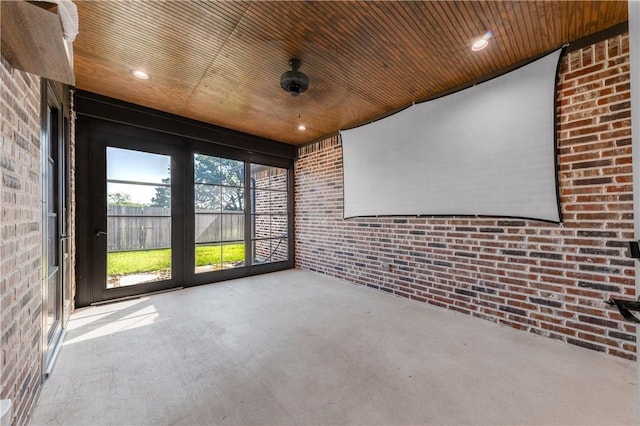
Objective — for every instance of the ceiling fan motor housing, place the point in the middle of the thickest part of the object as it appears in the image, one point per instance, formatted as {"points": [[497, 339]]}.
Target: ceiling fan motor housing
{"points": [[294, 81]]}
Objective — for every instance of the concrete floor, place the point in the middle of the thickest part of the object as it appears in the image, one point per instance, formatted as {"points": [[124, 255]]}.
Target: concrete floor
{"points": [[299, 348]]}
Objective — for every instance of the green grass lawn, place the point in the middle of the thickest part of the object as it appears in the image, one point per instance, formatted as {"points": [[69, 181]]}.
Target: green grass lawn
{"points": [[134, 262]]}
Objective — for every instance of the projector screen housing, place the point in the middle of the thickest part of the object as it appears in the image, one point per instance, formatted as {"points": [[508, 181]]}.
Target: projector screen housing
{"points": [[489, 150]]}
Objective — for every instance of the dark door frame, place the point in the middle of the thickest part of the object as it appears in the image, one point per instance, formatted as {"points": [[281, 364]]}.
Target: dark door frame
{"points": [[97, 126], [55, 148], [140, 141]]}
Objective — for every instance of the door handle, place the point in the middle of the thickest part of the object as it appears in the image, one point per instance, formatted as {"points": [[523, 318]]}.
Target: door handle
{"points": [[101, 233]]}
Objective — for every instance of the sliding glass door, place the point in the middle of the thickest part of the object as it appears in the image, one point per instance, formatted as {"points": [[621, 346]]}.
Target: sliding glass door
{"points": [[219, 213], [55, 218], [269, 214], [135, 236], [241, 217], [164, 212], [138, 208]]}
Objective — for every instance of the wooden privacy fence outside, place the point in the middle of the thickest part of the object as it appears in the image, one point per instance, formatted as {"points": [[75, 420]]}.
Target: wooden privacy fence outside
{"points": [[145, 228]]}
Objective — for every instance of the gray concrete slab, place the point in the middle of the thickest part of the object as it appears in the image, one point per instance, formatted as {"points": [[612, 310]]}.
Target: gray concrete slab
{"points": [[295, 347]]}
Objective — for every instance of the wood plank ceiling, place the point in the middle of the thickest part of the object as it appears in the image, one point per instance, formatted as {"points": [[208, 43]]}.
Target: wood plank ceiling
{"points": [[220, 61]]}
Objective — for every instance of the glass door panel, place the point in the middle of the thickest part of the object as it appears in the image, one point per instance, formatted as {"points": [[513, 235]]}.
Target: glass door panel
{"points": [[219, 204], [138, 217], [269, 217], [52, 208], [54, 160]]}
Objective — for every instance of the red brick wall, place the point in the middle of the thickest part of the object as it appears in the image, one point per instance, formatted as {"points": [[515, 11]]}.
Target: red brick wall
{"points": [[20, 244], [543, 278]]}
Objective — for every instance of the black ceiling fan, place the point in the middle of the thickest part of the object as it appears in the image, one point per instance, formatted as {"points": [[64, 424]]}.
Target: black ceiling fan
{"points": [[294, 81]]}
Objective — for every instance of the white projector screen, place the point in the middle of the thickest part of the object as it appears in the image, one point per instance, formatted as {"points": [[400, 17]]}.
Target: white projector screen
{"points": [[488, 150]]}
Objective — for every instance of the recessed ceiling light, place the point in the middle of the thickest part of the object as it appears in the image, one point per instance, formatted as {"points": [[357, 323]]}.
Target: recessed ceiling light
{"points": [[482, 42], [479, 45], [140, 74], [302, 127]]}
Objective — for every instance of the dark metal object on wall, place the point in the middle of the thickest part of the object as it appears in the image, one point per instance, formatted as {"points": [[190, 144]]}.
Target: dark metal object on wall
{"points": [[625, 307], [634, 249]]}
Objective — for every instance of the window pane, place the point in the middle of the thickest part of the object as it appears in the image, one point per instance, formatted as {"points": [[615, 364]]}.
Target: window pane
{"points": [[208, 258], [208, 228], [271, 250], [279, 250], [232, 227], [52, 179], [232, 199], [52, 301], [219, 213], [261, 201], [137, 166], [138, 233], [278, 202], [52, 146], [261, 226], [279, 226], [261, 251], [259, 176], [278, 179], [52, 241], [268, 177], [207, 198], [232, 172], [138, 196], [138, 267], [213, 257], [138, 217], [206, 169], [233, 255]]}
